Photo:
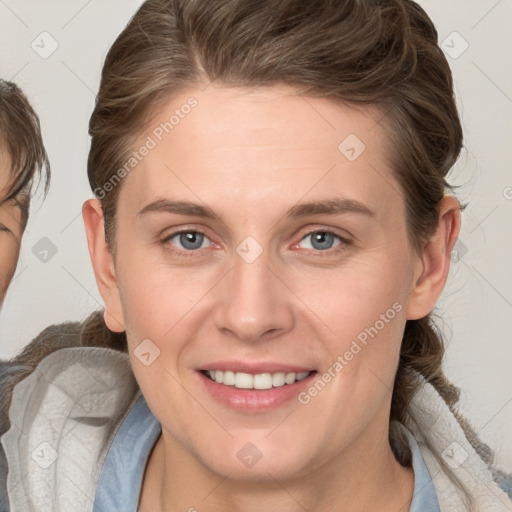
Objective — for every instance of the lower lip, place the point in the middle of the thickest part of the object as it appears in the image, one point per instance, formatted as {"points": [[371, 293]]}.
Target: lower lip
{"points": [[254, 400]]}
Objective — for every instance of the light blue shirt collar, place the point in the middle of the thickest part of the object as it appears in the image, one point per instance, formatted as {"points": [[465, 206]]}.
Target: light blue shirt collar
{"points": [[121, 477], [120, 480], [424, 497]]}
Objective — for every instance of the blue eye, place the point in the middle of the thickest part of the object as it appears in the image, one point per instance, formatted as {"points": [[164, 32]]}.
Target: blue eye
{"points": [[321, 240], [189, 240]]}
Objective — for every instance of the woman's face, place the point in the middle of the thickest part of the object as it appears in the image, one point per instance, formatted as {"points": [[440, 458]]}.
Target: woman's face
{"points": [[263, 233], [11, 230]]}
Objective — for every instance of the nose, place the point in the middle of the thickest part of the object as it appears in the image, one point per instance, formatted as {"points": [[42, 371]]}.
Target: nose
{"points": [[254, 304]]}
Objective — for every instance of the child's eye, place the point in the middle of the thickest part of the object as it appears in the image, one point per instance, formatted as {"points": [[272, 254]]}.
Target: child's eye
{"points": [[3, 227]]}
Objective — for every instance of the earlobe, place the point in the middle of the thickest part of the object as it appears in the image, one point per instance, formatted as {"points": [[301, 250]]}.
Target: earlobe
{"points": [[434, 264], [103, 264]]}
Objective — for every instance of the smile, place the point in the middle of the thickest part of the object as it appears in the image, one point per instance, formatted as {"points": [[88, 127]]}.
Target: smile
{"points": [[259, 381]]}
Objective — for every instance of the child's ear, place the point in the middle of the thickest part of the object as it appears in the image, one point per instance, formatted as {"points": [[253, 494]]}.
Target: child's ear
{"points": [[434, 262], [103, 264]]}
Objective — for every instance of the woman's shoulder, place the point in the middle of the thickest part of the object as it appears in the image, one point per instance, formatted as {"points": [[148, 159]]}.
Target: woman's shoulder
{"points": [[92, 332], [62, 399], [462, 471]]}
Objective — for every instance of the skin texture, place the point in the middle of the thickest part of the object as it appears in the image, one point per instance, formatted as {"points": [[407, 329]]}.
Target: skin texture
{"points": [[250, 156], [11, 230]]}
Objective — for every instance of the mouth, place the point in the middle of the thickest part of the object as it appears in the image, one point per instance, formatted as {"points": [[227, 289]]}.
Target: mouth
{"points": [[255, 390], [261, 381]]}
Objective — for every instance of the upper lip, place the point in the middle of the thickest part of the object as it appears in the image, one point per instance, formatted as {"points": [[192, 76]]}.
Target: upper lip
{"points": [[255, 367]]}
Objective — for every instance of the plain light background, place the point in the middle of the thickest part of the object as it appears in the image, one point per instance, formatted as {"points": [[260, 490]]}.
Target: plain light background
{"points": [[476, 307]]}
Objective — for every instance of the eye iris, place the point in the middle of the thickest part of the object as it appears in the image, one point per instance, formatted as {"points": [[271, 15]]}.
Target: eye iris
{"points": [[191, 240], [322, 240]]}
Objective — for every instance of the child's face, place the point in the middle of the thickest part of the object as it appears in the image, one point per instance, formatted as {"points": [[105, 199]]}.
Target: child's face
{"points": [[248, 289], [11, 230]]}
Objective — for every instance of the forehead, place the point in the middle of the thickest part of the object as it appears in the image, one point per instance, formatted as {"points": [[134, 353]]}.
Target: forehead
{"points": [[261, 118], [259, 142]]}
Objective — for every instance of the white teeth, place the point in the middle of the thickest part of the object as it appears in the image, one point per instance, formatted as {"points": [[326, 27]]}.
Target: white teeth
{"points": [[278, 379], [290, 378], [229, 378], [263, 381], [259, 381], [301, 376], [243, 380]]}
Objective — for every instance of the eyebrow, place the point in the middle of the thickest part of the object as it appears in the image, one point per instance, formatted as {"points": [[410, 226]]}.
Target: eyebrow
{"points": [[179, 207], [15, 201], [334, 206]]}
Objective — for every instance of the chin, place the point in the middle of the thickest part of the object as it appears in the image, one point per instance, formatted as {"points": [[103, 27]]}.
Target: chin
{"points": [[257, 461]]}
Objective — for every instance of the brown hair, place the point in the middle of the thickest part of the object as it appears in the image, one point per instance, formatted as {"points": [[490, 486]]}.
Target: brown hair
{"points": [[20, 138], [382, 53]]}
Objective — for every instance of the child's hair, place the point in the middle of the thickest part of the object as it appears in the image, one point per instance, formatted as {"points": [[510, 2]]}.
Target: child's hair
{"points": [[21, 142]]}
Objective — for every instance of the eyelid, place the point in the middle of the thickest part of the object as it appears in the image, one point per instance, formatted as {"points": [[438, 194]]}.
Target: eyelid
{"points": [[3, 227], [332, 231], [185, 229]]}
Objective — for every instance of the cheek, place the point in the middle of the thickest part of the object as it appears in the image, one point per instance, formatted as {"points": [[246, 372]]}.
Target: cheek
{"points": [[366, 315], [341, 304], [159, 301], [362, 308], [9, 252], [353, 297]]}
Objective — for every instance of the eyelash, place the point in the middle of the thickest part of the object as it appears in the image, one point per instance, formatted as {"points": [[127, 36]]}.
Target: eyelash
{"points": [[344, 243], [3, 227]]}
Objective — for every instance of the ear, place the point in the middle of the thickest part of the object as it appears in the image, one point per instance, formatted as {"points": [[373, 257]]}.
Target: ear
{"points": [[434, 262], [103, 264]]}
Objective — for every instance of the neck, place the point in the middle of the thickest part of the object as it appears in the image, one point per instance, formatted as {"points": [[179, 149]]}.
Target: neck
{"points": [[360, 478]]}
